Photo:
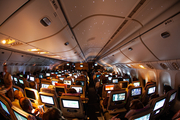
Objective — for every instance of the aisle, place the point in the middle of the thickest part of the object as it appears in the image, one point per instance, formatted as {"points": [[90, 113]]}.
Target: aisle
{"points": [[93, 108]]}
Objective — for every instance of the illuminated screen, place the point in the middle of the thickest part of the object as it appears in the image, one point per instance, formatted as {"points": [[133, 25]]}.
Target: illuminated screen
{"points": [[172, 97], [106, 75], [14, 89], [145, 117], [70, 104], [82, 82], [31, 78], [20, 75], [159, 104], [52, 72], [81, 65], [40, 76], [53, 82], [136, 84], [44, 85], [126, 80], [78, 89], [70, 74], [110, 73], [56, 72], [109, 87], [21, 81], [12, 77], [58, 75], [4, 107], [119, 97], [151, 90], [72, 79], [136, 91], [30, 94], [97, 76], [59, 71], [115, 81], [61, 78], [47, 74], [67, 82], [109, 78], [19, 116], [15, 79], [27, 76], [47, 99], [75, 76]]}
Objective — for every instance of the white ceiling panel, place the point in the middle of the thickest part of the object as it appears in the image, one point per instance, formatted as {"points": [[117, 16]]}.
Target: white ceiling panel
{"points": [[118, 57], [139, 52], [164, 48], [96, 31], [6, 7], [151, 9], [92, 52], [4, 54], [18, 57], [77, 10], [56, 42], [25, 24]]}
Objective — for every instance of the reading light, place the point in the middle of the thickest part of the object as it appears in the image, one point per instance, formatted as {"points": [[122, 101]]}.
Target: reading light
{"points": [[142, 66], [33, 50]]}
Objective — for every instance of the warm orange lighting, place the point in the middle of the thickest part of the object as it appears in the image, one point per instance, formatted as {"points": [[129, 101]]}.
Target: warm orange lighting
{"points": [[43, 52], [142, 66], [8, 41], [33, 50], [55, 56]]}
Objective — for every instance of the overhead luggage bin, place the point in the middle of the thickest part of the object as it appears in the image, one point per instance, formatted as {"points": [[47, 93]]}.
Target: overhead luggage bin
{"points": [[17, 57], [5, 54], [137, 52]]}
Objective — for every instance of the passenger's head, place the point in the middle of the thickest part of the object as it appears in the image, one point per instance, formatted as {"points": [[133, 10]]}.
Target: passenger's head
{"points": [[78, 83], [71, 90], [18, 94], [37, 80], [117, 87], [130, 86], [136, 104], [33, 85], [104, 80], [25, 104], [5, 67], [25, 76], [167, 88], [60, 81], [53, 114]]}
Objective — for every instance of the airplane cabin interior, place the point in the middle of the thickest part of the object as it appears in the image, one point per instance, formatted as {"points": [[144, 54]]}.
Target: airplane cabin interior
{"points": [[90, 59]]}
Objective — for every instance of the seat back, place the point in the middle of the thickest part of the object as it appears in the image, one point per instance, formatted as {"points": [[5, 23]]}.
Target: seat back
{"points": [[72, 107], [106, 88], [18, 88], [170, 99], [53, 81], [144, 115], [80, 89], [48, 99], [5, 107], [82, 80], [45, 83], [32, 94], [68, 82], [19, 113], [158, 106], [117, 99]]}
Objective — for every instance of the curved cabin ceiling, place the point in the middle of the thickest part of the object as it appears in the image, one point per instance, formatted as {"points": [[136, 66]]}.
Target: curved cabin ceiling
{"points": [[90, 30]]}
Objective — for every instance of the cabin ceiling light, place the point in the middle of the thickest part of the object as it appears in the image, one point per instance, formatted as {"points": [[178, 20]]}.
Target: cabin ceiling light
{"points": [[142, 66], [42, 52], [33, 50], [7, 41], [130, 49]]}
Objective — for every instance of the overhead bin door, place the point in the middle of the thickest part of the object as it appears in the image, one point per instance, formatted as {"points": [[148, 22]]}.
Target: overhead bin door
{"points": [[165, 48], [137, 52]]}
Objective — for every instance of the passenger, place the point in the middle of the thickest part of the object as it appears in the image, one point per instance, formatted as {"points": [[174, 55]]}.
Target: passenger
{"points": [[53, 114], [7, 81], [60, 81], [33, 85], [151, 82], [71, 90], [155, 95], [176, 116], [17, 96], [78, 83], [134, 106], [167, 88], [26, 83], [26, 105]]}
